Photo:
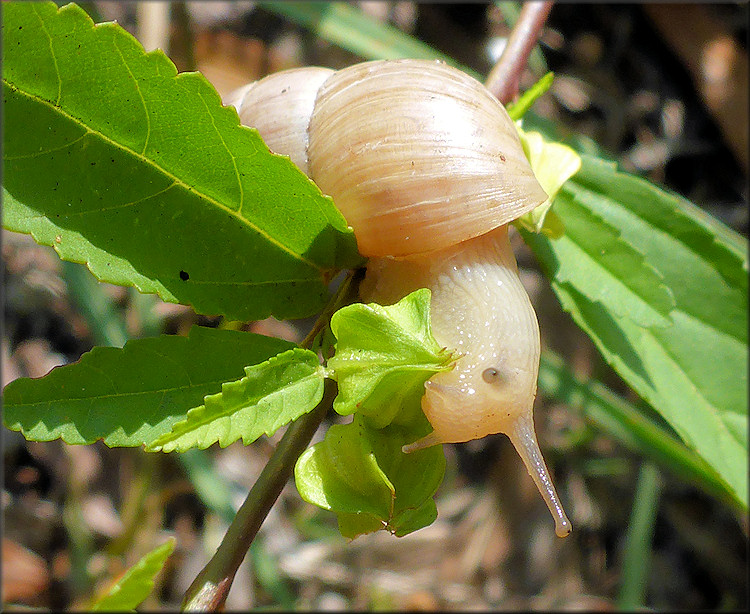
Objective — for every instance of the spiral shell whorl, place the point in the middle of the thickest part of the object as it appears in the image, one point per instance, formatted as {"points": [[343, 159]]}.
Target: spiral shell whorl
{"points": [[280, 106], [417, 156]]}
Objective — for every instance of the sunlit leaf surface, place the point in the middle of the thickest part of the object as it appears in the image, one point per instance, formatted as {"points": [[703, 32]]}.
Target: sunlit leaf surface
{"points": [[130, 396], [120, 163]]}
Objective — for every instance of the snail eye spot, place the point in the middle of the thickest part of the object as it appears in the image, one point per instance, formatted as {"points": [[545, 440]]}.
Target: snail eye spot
{"points": [[492, 376]]}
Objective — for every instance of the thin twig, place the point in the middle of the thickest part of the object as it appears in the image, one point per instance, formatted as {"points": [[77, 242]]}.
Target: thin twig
{"points": [[505, 77], [344, 295]]}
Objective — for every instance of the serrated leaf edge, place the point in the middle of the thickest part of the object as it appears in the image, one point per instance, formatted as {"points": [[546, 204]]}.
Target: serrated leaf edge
{"points": [[162, 444], [647, 392], [176, 181]]}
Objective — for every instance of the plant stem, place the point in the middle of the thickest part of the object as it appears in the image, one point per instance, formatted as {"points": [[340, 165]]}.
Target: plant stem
{"points": [[505, 77], [209, 590], [344, 295]]}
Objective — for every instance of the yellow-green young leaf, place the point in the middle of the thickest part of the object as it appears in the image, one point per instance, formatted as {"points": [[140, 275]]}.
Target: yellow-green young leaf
{"points": [[383, 357], [694, 371], [553, 164], [118, 162], [270, 395], [137, 582], [361, 474], [518, 109], [129, 396]]}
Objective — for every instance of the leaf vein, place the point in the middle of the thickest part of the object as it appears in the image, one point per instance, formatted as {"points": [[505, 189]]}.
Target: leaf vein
{"points": [[113, 207], [47, 151], [140, 95], [234, 160], [710, 407], [118, 395], [615, 276], [256, 283], [52, 53], [209, 199]]}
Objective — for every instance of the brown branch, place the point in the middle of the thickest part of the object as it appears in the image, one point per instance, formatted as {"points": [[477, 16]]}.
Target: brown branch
{"points": [[505, 77]]}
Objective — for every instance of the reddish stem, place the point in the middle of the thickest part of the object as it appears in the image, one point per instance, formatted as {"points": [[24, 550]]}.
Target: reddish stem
{"points": [[505, 77]]}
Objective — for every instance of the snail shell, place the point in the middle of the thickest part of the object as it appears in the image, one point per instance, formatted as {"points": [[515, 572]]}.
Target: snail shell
{"points": [[427, 167], [416, 155]]}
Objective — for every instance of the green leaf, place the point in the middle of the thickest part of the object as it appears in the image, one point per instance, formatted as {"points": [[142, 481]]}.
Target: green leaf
{"points": [[350, 28], [120, 163], [130, 396], [383, 357], [517, 109], [270, 395], [361, 474], [694, 372], [603, 266], [630, 426], [638, 549], [137, 583]]}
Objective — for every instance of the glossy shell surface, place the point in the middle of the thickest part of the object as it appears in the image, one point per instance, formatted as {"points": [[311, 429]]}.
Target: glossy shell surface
{"points": [[279, 106], [417, 155]]}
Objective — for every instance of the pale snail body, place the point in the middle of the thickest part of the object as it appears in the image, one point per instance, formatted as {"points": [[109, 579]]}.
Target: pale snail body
{"points": [[428, 169], [479, 307]]}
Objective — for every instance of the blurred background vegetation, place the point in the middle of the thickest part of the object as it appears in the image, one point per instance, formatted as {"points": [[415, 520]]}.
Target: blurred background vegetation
{"points": [[661, 89]]}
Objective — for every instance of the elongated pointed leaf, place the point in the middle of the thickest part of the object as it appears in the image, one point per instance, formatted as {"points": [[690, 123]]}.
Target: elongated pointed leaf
{"points": [[130, 396], [137, 582], [627, 423], [607, 269], [270, 395], [120, 163], [516, 110], [383, 357], [694, 372]]}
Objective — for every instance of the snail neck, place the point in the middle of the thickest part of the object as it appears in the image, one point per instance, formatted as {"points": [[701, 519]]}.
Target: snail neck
{"points": [[478, 303]]}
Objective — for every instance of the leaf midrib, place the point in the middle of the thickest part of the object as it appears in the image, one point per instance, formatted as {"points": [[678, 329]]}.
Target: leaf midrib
{"points": [[188, 425], [615, 275], [720, 236], [111, 396], [716, 411], [176, 180], [654, 397], [618, 308], [677, 306]]}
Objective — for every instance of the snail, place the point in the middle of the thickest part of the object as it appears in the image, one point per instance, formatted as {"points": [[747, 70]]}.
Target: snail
{"points": [[427, 168]]}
